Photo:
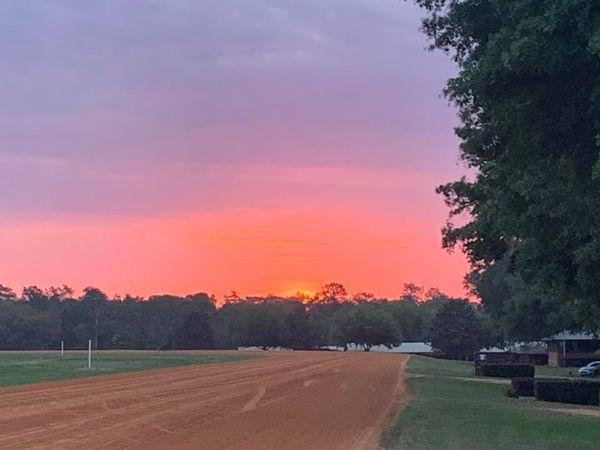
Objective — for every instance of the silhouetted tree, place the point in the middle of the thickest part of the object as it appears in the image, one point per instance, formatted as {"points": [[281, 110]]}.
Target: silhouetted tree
{"points": [[363, 297], [196, 331], [367, 325], [331, 293], [456, 330], [7, 294]]}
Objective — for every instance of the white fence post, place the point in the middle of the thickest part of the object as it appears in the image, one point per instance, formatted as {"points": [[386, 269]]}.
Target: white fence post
{"points": [[89, 354], [62, 348]]}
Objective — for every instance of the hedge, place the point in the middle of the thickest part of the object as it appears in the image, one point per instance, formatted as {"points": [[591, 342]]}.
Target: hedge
{"points": [[506, 370], [580, 392], [577, 362], [523, 387]]}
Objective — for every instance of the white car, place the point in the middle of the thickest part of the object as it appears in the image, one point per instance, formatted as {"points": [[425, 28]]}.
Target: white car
{"points": [[591, 370]]}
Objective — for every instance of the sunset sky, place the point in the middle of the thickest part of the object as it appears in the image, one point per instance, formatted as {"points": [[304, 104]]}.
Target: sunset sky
{"points": [[260, 146]]}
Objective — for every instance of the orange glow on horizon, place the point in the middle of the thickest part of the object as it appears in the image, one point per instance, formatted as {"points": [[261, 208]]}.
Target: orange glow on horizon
{"points": [[252, 252], [270, 152]]}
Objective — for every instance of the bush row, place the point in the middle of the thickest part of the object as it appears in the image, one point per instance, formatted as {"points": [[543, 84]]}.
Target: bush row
{"points": [[523, 387], [506, 370], [580, 392]]}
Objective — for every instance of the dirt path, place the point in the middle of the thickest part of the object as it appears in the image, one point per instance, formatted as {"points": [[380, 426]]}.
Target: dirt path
{"points": [[291, 400]]}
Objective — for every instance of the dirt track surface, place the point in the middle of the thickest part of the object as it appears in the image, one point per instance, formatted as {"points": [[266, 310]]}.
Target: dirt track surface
{"points": [[291, 400]]}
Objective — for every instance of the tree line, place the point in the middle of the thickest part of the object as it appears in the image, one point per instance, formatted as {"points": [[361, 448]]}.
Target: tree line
{"points": [[42, 318]]}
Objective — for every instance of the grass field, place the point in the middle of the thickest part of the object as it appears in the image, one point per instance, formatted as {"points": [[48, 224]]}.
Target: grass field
{"points": [[451, 410], [35, 367]]}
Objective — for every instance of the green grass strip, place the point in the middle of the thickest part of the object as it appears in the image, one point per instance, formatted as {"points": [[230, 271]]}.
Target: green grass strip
{"points": [[451, 410], [26, 368]]}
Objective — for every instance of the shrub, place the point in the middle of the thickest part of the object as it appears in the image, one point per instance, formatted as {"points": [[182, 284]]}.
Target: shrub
{"points": [[507, 370], [523, 387], [580, 392]]}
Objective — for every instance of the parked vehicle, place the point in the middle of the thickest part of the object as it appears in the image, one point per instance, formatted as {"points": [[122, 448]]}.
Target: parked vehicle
{"points": [[591, 370]]}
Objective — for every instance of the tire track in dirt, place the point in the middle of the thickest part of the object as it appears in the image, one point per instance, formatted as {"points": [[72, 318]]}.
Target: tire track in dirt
{"points": [[324, 400]]}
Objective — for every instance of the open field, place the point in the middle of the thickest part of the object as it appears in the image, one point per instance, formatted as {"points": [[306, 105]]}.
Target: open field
{"points": [[452, 410], [294, 400], [34, 367]]}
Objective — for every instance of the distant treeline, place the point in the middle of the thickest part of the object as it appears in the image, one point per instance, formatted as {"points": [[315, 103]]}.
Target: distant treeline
{"points": [[42, 318]]}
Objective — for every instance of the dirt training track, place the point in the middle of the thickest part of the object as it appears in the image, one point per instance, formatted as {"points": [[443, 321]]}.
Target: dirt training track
{"points": [[284, 400]]}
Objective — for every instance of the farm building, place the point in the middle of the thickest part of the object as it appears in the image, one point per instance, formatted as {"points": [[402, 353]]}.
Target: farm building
{"points": [[568, 349], [505, 357], [534, 353]]}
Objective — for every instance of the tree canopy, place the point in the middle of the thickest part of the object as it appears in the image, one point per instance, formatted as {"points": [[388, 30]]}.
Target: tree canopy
{"points": [[528, 95], [457, 330], [367, 324]]}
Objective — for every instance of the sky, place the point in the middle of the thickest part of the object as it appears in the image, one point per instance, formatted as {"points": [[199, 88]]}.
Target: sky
{"points": [[265, 146]]}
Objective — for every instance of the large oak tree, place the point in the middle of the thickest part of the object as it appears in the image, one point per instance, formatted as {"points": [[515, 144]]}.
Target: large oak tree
{"points": [[528, 94]]}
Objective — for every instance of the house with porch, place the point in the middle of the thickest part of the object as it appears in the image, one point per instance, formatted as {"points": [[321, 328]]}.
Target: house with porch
{"points": [[534, 353], [570, 349]]}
